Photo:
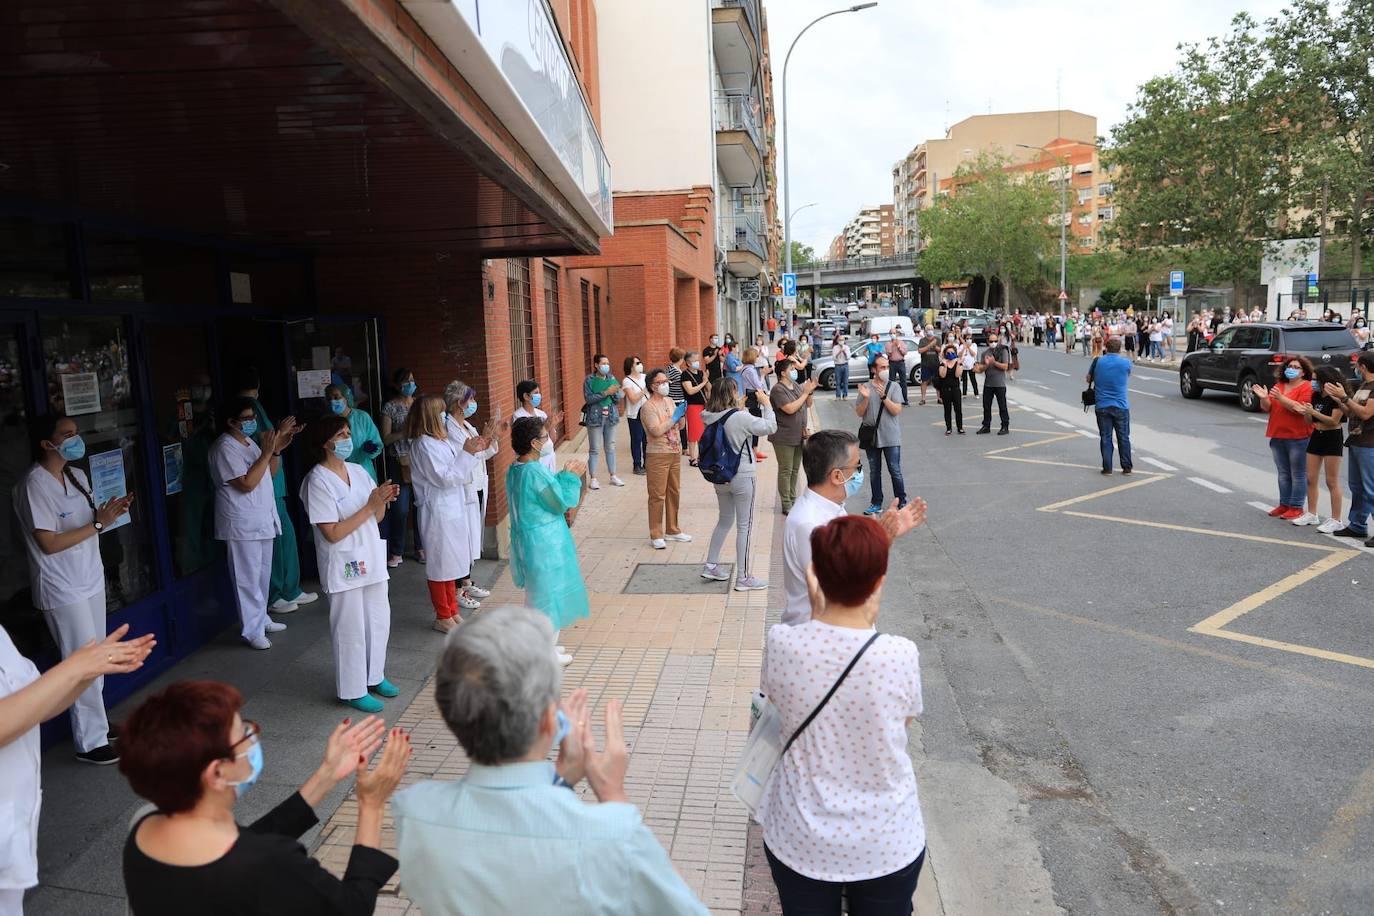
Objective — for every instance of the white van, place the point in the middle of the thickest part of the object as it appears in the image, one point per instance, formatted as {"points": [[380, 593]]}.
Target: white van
{"points": [[883, 325]]}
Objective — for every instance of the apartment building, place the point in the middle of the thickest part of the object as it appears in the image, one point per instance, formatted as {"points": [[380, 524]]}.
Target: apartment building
{"points": [[870, 234], [917, 176]]}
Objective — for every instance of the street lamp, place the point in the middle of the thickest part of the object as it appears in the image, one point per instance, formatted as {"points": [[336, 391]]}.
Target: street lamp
{"points": [[787, 149], [1063, 221]]}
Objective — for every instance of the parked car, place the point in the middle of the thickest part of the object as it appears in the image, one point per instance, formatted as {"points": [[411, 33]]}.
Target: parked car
{"points": [[1245, 355], [884, 325], [824, 368]]}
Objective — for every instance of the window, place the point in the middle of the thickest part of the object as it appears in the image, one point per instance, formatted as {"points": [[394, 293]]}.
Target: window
{"points": [[588, 345], [1106, 214], [521, 318], [1105, 189], [553, 327], [1085, 195], [1225, 338], [33, 259], [126, 268], [596, 310], [1085, 219]]}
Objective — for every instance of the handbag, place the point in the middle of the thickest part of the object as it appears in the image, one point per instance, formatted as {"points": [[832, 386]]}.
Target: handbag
{"points": [[1090, 393], [762, 750]]}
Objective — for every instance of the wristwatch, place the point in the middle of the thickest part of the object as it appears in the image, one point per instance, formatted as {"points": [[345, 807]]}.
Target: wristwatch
{"points": [[98, 527]]}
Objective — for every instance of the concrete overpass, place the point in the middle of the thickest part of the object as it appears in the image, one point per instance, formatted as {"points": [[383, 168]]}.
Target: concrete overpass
{"points": [[859, 272]]}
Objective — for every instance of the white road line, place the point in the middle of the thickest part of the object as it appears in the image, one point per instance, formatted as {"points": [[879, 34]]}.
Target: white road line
{"points": [[1152, 378], [1209, 485], [1159, 464], [1084, 432], [1057, 372], [1148, 394], [1064, 424], [1038, 385], [1263, 507], [1044, 416], [1259, 419]]}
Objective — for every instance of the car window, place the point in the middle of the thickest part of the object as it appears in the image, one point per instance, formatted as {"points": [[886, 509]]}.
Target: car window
{"points": [[1264, 339], [1316, 340], [1246, 338], [1225, 338]]}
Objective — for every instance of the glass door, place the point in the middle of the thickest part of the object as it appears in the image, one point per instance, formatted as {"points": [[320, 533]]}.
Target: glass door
{"points": [[343, 352], [17, 613]]}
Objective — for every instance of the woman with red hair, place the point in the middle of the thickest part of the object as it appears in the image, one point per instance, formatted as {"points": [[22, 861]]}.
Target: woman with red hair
{"points": [[840, 812]]}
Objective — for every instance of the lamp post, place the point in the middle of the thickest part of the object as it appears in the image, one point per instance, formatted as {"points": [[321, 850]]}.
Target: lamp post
{"points": [[1063, 221], [787, 149]]}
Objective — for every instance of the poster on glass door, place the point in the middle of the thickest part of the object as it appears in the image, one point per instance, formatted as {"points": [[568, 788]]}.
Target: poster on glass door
{"points": [[107, 482]]}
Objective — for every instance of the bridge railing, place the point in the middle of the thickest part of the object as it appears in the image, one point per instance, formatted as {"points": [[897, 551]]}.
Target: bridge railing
{"points": [[893, 260]]}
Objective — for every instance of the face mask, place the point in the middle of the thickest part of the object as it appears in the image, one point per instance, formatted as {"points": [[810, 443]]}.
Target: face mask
{"points": [[470, 409], [407, 388], [74, 449], [791, 375], [255, 762], [338, 407], [604, 370], [662, 389], [696, 364], [536, 399], [1290, 373], [443, 418], [639, 367], [248, 427], [343, 448], [715, 341], [882, 376], [854, 483], [1316, 387], [564, 726]]}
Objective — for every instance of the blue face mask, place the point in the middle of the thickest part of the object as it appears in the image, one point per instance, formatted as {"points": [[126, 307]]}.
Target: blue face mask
{"points": [[1290, 373], [407, 388], [564, 726], [74, 449], [338, 406], [536, 399], [443, 418], [343, 448], [1316, 387], [470, 409], [248, 427], [855, 483], [604, 370], [791, 375], [254, 761]]}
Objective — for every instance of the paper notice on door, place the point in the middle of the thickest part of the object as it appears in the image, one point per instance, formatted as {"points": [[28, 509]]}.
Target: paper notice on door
{"points": [[171, 467], [311, 383], [80, 393], [107, 482]]}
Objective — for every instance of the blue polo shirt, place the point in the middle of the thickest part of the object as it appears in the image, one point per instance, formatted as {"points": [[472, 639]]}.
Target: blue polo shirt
{"points": [[1110, 377]]}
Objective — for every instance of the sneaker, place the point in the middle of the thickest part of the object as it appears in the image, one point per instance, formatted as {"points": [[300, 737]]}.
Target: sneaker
{"points": [[385, 689], [446, 624], [1330, 526], [658, 544], [102, 756], [750, 584], [420, 557], [1106, 472], [949, 432], [1293, 513], [273, 627], [1277, 511], [1126, 470], [393, 562], [874, 509], [642, 472], [983, 431], [713, 572], [259, 642], [961, 432], [1307, 518], [680, 536], [282, 606], [476, 591], [561, 650], [564, 659], [306, 598], [1348, 532], [468, 603], [365, 703], [616, 481], [593, 485], [1003, 431], [1369, 543]]}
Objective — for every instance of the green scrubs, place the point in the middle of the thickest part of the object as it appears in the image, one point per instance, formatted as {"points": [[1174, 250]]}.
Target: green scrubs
{"points": [[286, 564]]}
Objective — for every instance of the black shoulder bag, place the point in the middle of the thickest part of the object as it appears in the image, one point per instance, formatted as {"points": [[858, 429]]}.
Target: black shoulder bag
{"points": [[1090, 393], [826, 699]]}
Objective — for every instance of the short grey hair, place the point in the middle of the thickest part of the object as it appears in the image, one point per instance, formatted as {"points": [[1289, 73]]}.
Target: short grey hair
{"points": [[456, 392], [825, 451], [496, 676]]}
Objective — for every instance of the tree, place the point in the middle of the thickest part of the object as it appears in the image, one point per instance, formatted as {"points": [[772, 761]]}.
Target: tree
{"points": [[992, 225], [802, 255], [1203, 161]]}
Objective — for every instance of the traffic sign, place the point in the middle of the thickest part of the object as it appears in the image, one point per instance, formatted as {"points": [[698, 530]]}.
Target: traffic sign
{"points": [[1175, 282], [1312, 286], [1063, 296], [789, 285]]}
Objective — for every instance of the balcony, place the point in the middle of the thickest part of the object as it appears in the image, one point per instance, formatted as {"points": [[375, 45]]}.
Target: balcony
{"points": [[735, 35], [742, 238], [739, 146]]}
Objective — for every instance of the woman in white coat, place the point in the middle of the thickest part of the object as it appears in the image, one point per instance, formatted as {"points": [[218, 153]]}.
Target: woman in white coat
{"points": [[461, 401], [246, 510], [344, 507], [26, 699], [61, 525], [440, 470]]}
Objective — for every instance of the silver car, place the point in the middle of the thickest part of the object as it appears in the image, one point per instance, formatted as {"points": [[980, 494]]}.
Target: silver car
{"points": [[824, 367]]}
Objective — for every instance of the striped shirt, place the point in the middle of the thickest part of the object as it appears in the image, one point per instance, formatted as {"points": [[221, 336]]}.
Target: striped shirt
{"points": [[675, 384]]}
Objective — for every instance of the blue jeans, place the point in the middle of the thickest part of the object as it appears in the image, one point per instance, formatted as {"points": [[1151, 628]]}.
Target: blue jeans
{"points": [[888, 895], [1109, 419], [842, 379], [1361, 478], [1290, 459], [637, 442], [893, 455], [398, 518], [601, 441]]}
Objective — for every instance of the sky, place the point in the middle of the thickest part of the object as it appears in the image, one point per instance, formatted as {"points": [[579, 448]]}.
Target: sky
{"points": [[864, 88]]}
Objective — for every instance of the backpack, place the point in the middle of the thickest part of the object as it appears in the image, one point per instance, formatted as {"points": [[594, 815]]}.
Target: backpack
{"points": [[718, 462]]}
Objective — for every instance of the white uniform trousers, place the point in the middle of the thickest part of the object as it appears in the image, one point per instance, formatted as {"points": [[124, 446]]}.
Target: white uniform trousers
{"points": [[250, 570], [359, 624], [72, 626], [11, 902]]}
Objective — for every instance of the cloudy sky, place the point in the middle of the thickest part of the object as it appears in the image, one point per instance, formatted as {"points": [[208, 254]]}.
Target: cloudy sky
{"points": [[864, 88]]}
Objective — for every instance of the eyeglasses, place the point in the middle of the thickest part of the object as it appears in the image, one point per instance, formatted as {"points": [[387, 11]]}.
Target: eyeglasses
{"points": [[251, 734]]}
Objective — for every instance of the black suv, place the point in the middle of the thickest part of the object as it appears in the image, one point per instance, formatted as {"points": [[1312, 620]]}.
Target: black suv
{"points": [[1244, 355]]}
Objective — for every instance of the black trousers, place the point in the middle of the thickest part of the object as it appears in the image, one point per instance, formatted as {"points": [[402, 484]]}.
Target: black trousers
{"points": [[970, 378], [953, 401], [1000, 394]]}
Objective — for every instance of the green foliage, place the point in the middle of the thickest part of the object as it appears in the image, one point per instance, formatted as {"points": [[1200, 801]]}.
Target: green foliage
{"points": [[993, 225], [802, 254]]}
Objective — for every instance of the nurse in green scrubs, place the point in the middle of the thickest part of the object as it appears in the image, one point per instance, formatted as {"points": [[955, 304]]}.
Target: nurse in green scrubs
{"points": [[367, 439]]}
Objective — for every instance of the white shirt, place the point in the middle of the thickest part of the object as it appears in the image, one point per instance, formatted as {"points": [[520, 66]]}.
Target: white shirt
{"points": [[968, 354], [546, 454], [632, 407], [810, 512], [354, 561], [842, 805], [42, 503], [460, 431], [19, 780], [241, 516]]}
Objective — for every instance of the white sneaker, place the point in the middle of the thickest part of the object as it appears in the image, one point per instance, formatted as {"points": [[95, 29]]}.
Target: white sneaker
{"points": [[561, 650], [466, 603], [564, 659], [273, 627], [282, 606], [476, 591], [713, 572], [1331, 526], [616, 481], [259, 642], [680, 536], [1307, 518], [593, 485], [658, 544], [306, 597]]}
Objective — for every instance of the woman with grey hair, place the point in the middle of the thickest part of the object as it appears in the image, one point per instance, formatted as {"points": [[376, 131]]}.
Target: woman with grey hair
{"points": [[510, 836], [461, 401]]}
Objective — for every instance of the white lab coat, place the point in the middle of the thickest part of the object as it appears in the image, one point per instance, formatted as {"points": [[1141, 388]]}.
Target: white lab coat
{"points": [[353, 574], [475, 499], [20, 793], [441, 472], [240, 516]]}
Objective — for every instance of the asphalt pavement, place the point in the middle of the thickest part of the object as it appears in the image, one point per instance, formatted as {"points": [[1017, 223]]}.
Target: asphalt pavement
{"points": [[1143, 695]]}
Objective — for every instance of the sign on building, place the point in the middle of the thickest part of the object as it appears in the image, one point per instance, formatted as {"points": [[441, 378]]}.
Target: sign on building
{"points": [[749, 290], [1176, 283]]}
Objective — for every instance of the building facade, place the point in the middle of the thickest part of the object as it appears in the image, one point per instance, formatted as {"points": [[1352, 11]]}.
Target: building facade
{"points": [[870, 234]]}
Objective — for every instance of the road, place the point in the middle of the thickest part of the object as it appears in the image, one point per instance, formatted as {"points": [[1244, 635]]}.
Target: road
{"points": [[1142, 694]]}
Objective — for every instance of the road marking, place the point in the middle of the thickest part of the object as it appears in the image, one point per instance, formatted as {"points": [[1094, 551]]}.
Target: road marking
{"points": [[1148, 394], [1057, 372], [1215, 487], [1259, 419], [1234, 535], [1159, 464], [1055, 507], [1084, 432], [1263, 507], [1038, 385], [1213, 625], [1064, 424], [1054, 437], [1336, 838], [1057, 464], [1153, 378], [1044, 416]]}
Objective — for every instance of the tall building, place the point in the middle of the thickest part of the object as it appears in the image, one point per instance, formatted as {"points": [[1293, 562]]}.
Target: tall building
{"points": [[870, 234], [917, 176]]}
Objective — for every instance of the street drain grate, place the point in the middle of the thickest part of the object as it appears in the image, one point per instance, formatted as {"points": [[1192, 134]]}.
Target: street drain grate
{"points": [[675, 579]]}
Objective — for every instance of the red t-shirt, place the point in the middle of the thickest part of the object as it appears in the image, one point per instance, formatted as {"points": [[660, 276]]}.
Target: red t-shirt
{"points": [[1283, 423]]}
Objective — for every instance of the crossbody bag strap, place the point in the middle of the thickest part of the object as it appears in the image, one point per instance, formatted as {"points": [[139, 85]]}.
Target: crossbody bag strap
{"points": [[826, 699]]}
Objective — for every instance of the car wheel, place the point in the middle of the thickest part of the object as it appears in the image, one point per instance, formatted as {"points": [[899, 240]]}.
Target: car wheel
{"points": [[828, 379], [914, 376], [1188, 384], [1248, 399]]}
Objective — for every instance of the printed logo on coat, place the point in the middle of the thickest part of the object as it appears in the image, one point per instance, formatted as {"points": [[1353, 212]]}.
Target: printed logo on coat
{"points": [[355, 569]]}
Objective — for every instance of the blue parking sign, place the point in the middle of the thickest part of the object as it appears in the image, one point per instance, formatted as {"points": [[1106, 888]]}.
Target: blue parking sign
{"points": [[789, 284]]}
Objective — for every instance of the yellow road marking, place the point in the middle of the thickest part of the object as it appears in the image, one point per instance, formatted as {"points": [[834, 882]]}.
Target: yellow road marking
{"points": [[1055, 437], [1340, 832], [1257, 538], [1311, 651], [1057, 464], [1143, 481], [1270, 592]]}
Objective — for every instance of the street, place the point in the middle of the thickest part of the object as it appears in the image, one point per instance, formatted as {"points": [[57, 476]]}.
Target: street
{"points": [[1139, 690]]}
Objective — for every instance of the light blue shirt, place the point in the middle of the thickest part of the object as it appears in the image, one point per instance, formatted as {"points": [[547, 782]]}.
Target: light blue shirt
{"points": [[505, 840]]}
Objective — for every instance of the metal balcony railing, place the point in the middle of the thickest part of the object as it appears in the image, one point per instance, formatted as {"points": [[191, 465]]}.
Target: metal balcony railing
{"points": [[742, 230], [751, 13], [736, 112]]}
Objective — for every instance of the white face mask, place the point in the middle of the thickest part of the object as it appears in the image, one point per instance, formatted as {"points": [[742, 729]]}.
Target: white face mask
{"points": [[662, 389], [882, 375]]}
